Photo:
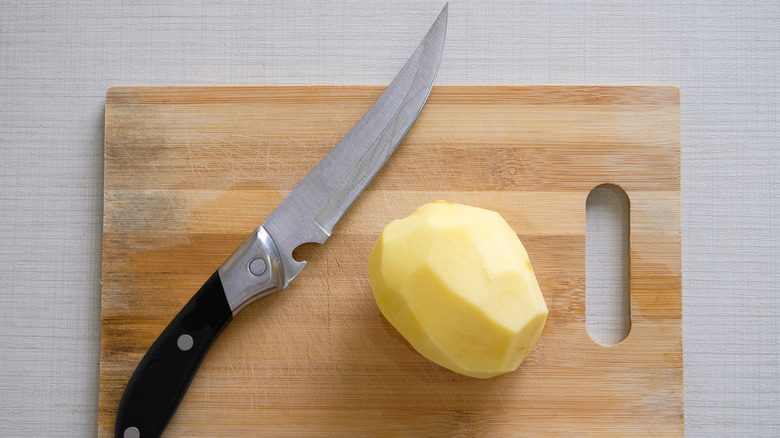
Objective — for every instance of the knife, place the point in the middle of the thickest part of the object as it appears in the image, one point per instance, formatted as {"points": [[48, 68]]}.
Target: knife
{"points": [[264, 264]]}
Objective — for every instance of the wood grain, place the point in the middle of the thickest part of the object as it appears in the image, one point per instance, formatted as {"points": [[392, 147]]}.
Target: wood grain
{"points": [[189, 172]]}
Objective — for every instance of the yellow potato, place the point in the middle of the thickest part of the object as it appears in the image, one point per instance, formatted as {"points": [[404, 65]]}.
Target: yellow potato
{"points": [[457, 283]]}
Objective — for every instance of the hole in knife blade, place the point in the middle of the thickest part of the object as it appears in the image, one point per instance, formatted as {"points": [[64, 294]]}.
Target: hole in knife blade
{"points": [[607, 277], [306, 252]]}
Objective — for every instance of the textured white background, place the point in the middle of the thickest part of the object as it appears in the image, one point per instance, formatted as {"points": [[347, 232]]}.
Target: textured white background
{"points": [[57, 59]]}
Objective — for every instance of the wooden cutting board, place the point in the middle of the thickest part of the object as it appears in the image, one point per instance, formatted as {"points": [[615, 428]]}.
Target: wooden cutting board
{"points": [[190, 172]]}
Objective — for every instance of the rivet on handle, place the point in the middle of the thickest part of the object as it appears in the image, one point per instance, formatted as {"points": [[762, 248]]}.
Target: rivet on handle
{"points": [[184, 343]]}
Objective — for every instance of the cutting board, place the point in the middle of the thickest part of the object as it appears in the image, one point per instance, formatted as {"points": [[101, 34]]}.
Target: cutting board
{"points": [[190, 172]]}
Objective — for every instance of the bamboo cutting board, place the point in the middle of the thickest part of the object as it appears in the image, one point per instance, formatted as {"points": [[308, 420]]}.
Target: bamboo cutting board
{"points": [[190, 172]]}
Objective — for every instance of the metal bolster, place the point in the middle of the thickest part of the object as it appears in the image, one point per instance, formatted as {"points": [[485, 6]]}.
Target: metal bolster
{"points": [[254, 270]]}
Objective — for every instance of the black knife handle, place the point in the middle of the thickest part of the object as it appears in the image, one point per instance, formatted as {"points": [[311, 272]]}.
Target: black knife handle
{"points": [[166, 371]]}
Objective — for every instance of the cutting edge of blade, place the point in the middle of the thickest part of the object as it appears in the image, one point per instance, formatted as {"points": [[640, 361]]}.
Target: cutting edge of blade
{"points": [[393, 129], [294, 222]]}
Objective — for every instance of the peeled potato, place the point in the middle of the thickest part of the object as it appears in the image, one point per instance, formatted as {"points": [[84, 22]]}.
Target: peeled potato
{"points": [[457, 283]]}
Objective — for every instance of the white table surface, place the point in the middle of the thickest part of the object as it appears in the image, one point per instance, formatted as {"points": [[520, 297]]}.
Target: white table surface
{"points": [[58, 58]]}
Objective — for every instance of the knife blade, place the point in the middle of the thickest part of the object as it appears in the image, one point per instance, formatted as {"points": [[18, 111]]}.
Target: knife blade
{"points": [[264, 264]]}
